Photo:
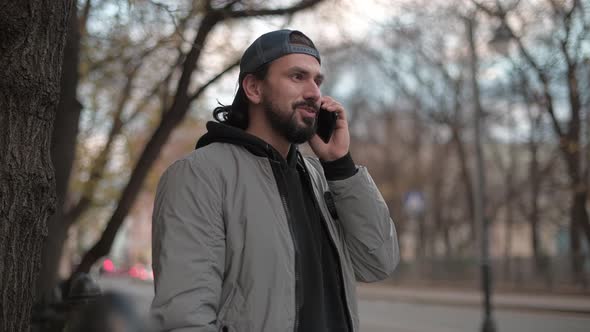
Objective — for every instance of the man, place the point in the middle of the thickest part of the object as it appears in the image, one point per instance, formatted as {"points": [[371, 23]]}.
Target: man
{"points": [[248, 235]]}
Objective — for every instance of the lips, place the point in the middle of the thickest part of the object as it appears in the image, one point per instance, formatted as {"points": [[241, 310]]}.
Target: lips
{"points": [[307, 111]]}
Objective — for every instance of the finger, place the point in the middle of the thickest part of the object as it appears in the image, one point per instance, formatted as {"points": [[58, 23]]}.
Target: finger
{"points": [[338, 109], [331, 105], [328, 103]]}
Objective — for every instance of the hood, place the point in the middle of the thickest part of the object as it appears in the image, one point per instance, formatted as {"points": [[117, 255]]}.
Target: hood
{"points": [[222, 133]]}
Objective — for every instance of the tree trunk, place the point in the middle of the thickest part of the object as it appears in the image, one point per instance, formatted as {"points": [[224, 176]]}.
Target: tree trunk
{"points": [[579, 222], [467, 183], [63, 148], [457, 138], [579, 214], [422, 244], [33, 36], [509, 224], [447, 239], [439, 172], [535, 180]]}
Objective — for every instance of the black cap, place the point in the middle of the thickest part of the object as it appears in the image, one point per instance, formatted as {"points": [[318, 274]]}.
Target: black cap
{"points": [[271, 46], [267, 48]]}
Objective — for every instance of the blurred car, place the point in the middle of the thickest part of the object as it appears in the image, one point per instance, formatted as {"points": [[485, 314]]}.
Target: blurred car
{"points": [[108, 267], [141, 272]]}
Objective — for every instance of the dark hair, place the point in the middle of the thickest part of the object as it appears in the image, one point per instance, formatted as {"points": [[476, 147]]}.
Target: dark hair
{"points": [[236, 114]]}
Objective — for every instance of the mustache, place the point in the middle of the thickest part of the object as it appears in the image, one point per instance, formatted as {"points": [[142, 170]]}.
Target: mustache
{"points": [[307, 103]]}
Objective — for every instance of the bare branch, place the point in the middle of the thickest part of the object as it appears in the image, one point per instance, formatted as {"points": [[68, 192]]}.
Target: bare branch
{"points": [[204, 87], [84, 18], [99, 164], [101, 160], [566, 18], [179, 24], [303, 4], [541, 75], [493, 12], [231, 4], [519, 187]]}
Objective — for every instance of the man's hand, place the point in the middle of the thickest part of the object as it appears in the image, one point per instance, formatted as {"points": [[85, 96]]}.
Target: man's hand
{"points": [[339, 144]]}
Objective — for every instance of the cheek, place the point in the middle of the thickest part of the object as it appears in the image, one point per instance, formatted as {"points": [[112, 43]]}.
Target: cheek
{"points": [[286, 94]]}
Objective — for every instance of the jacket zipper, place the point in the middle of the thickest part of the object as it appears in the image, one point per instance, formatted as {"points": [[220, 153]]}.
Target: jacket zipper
{"points": [[333, 243], [281, 185]]}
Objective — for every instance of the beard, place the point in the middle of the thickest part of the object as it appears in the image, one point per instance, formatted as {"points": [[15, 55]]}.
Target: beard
{"points": [[285, 123]]}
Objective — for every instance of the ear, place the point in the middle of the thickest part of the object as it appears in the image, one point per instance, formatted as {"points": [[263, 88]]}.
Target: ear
{"points": [[252, 88]]}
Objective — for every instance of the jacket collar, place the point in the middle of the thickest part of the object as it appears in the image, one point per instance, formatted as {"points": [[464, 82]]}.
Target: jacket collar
{"points": [[222, 133]]}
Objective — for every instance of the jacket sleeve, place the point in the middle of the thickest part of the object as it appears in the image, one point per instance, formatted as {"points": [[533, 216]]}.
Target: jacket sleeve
{"points": [[188, 249], [369, 232]]}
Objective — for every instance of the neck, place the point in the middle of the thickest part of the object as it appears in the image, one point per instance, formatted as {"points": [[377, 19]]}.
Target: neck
{"points": [[260, 127]]}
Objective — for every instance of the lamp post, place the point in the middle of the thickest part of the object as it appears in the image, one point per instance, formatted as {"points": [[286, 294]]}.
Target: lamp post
{"points": [[481, 220]]}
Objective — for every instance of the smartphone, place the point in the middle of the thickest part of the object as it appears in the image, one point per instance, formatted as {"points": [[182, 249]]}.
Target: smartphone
{"points": [[326, 124]]}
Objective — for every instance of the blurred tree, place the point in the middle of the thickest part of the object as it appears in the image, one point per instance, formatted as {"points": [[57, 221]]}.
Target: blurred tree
{"points": [[33, 37], [421, 97], [431, 68], [175, 113], [567, 33], [144, 72], [439, 207], [539, 170]]}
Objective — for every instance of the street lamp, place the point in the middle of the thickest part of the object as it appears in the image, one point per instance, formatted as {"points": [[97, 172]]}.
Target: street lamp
{"points": [[480, 217], [500, 43]]}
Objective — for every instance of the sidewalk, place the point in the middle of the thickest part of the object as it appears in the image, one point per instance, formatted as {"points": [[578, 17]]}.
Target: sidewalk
{"points": [[512, 301]]}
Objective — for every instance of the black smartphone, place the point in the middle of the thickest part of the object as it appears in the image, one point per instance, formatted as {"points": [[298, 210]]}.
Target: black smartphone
{"points": [[326, 124]]}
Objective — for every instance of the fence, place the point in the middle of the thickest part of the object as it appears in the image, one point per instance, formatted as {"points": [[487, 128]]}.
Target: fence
{"points": [[553, 274]]}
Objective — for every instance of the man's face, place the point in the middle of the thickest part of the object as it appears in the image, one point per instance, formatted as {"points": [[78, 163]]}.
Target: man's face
{"points": [[291, 96]]}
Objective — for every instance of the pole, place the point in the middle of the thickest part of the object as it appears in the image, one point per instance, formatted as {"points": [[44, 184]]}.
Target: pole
{"points": [[481, 220]]}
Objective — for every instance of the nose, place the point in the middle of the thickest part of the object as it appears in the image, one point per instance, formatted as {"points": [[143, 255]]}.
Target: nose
{"points": [[312, 91]]}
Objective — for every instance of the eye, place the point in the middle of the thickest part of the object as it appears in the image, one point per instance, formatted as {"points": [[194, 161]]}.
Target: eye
{"points": [[297, 76]]}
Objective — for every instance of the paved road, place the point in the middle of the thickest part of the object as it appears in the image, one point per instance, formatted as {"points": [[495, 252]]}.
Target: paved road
{"points": [[382, 316], [529, 302], [384, 311]]}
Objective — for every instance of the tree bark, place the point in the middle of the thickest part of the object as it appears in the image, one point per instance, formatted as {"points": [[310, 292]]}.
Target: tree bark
{"points": [[33, 36], [63, 148]]}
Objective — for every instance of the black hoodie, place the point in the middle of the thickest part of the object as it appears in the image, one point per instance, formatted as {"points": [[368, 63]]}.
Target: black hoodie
{"points": [[320, 299]]}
